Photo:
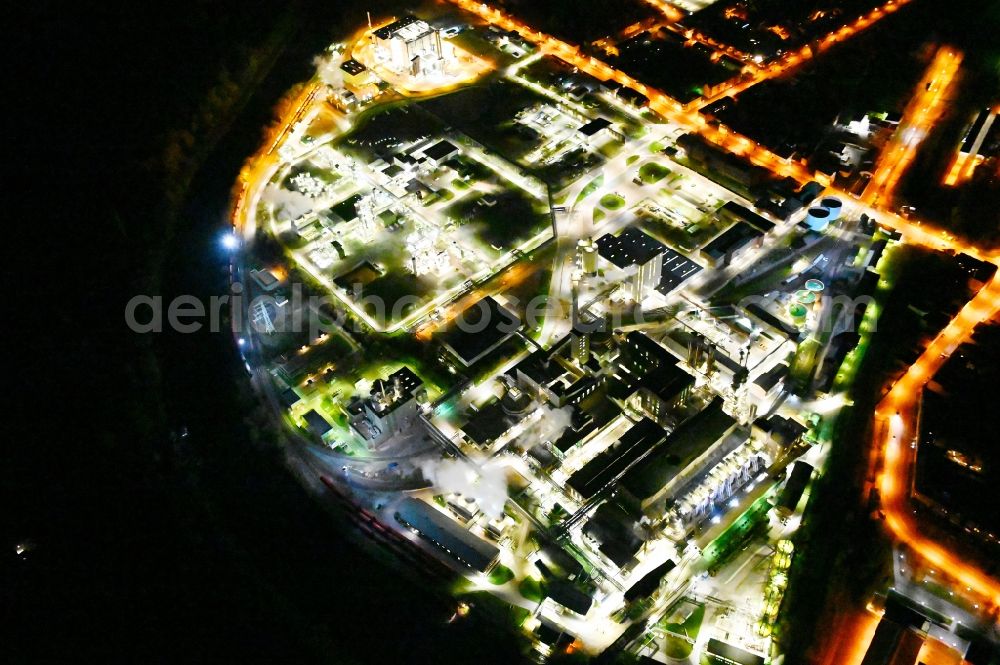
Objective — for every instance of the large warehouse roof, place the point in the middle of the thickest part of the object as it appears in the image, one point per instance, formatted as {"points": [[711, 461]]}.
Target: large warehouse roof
{"points": [[630, 247], [447, 534], [601, 471]]}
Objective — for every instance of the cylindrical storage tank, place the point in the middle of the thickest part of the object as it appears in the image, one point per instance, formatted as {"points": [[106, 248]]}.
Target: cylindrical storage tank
{"points": [[815, 285], [798, 313], [805, 296], [817, 218], [834, 205]]}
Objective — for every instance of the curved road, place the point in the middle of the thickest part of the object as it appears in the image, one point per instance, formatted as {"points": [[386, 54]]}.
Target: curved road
{"points": [[896, 419]]}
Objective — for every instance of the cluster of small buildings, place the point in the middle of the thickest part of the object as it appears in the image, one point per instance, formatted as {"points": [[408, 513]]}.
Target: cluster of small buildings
{"points": [[747, 231], [780, 198]]}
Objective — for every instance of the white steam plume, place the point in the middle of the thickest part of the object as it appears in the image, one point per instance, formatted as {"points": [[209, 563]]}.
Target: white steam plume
{"points": [[486, 484]]}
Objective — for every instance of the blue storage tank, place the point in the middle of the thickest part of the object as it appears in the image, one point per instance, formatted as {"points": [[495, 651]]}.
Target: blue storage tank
{"points": [[834, 205], [817, 218]]}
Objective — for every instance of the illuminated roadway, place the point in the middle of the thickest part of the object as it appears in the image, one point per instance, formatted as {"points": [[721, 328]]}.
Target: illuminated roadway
{"points": [[895, 421], [795, 58], [667, 9], [923, 111], [894, 435]]}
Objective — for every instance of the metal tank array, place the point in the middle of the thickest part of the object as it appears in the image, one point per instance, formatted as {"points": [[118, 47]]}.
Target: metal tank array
{"points": [[828, 210]]}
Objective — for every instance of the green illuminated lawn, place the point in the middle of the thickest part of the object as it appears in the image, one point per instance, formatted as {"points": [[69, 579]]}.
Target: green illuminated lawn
{"points": [[590, 188], [613, 201], [531, 589], [501, 574], [725, 543], [675, 645], [652, 172], [804, 361]]}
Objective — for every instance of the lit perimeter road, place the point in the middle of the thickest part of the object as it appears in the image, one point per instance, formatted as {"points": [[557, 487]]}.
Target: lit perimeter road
{"points": [[895, 421], [793, 59], [924, 110]]}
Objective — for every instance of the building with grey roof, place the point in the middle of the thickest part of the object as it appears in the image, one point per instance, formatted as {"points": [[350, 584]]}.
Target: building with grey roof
{"points": [[447, 535]]}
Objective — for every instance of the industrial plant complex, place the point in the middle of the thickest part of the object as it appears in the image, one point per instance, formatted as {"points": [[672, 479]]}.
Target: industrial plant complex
{"points": [[550, 328]]}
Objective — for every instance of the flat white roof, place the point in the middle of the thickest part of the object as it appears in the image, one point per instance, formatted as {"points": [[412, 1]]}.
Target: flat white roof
{"points": [[413, 31]]}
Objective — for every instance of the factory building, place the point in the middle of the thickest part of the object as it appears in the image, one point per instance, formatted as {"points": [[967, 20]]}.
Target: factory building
{"points": [[316, 424], [641, 354], [636, 253], [734, 212], [588, 256], [580, 344], [660, 392], [767, 387], [701, 466], [729, 244], [798, 479], [782, 432], [650, 582], [611, 531], [728, 654], [390, 407], [495, 419], [410, 45], [478, 331], [696, 445], [440, 152], [606, 468], [598, 130], [548, 376], [715, 160], [714, 487]]}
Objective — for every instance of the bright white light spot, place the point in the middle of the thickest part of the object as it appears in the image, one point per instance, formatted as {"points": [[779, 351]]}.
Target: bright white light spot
{"points": [[230, 241]]}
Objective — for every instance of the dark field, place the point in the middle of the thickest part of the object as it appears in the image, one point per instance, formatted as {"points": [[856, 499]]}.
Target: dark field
{"points": [[512, 218], [875, 71], [661, 60], [201, 549], [577, 22], [958, 461], [486, 113]]}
